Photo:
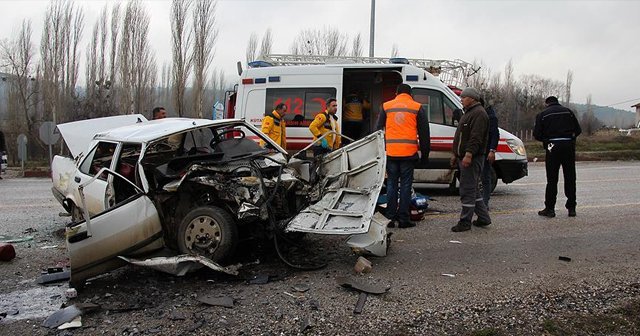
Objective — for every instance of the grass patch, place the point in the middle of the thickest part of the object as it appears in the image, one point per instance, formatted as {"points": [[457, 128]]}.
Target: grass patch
{"points": [[604, 146]]}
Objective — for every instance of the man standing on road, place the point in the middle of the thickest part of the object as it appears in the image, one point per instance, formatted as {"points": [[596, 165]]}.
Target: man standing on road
{"points": [[557, 128], [406, 125], [159, 113], [274, 126], [469, 145], [322, 124], [492, 146]]}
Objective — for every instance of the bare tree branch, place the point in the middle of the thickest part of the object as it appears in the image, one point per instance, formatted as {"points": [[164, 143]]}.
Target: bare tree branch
{"points": [[266, 44], [205, 36], [252, 46], [181, 41]]}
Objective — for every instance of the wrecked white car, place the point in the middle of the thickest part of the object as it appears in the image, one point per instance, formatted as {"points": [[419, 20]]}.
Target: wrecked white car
{"points": [[193, 185]]}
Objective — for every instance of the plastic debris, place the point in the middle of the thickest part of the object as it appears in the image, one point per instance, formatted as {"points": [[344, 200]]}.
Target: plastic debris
{"points": [[455, 242], [448, 275], [220, 301], [567, 259], [75, 323], [362, 266]]}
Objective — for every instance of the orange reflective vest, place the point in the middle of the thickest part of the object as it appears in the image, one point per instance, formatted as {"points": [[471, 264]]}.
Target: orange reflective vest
{"points": [[274, 127], [401, 128]]}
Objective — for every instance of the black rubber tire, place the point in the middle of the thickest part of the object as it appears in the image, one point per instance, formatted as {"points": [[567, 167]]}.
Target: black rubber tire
{"points": [[222, 233], [494, 179]]}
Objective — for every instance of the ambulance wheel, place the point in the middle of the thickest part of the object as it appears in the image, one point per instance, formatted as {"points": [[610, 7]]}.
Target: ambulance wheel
{"points": [[494, 179]]}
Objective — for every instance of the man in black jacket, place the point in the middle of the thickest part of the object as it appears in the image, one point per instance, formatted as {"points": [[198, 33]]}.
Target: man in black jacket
{"points": [[557, 128], [469, 145], [492, 146]]}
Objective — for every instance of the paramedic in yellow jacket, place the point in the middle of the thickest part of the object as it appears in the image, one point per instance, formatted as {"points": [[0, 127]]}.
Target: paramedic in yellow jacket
{"points": [[274, 126], [323, 123]]}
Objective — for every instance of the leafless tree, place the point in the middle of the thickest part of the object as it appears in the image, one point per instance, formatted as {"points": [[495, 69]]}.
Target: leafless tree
{"points": [[356, 47], [567, 87], [59, 48], [395, 52], [137, 65], [590, 124], [181, 42], [205, 36], [328, 42], [16, 56], [266, 44], [252, 47]]}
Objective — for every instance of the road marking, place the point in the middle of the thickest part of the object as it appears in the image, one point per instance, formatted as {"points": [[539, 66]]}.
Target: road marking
{"points": [[513, 211], [578, 181]]}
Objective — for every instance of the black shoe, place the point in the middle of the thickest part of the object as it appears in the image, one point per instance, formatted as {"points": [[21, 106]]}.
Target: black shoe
{"points": [[461, 226], [391, 224], [406, 225], [480, 223], [547, 213], [572, 212]]}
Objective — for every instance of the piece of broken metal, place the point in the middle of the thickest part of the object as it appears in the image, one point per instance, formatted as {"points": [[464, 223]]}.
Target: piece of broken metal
{"points": [[62, 316], [219, 301], [75, 323], [448, 275], [306, 323], [375, 241], [362, 298], [567, 259], [361, 286], [54, 274], [181, 264], [259, 279]]}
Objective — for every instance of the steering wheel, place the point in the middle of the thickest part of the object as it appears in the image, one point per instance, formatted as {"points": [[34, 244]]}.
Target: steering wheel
{"points": [[219, 137]]}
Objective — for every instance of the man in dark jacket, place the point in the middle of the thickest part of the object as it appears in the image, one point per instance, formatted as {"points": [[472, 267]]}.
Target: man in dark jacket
{"points": [[469, 145], [406, 126], [557, 128], [492, 146]]}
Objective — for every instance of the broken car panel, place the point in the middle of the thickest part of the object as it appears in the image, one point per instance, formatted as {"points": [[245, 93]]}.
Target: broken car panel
{"points": [[190, 184]]}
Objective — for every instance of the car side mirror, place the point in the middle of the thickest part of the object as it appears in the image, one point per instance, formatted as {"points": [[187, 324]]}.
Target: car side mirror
{"points": [[457, 115]]}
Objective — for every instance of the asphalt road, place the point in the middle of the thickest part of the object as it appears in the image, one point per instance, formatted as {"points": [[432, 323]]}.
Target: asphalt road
{"points": [[435, 275]]}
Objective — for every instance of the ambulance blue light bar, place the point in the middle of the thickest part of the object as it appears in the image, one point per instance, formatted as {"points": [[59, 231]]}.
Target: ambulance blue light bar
{"points": [[274, 79], [412, 78], [260, 80]]}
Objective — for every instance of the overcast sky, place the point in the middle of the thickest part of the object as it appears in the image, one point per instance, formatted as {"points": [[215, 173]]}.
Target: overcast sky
{"points": [[597, 40]]}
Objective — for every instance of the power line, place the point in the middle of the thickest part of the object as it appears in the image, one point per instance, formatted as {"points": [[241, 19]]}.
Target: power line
{"points": [[622, 102]]}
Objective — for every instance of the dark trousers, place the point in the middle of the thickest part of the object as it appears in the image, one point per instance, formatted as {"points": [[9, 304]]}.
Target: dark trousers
{"points": [[486, 182], [471, 191], [399, 172], [563, 153], [319, 151], [351, 129]]}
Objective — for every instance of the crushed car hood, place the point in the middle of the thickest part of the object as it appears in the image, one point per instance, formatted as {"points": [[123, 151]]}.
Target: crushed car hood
{"points": [[351, 180], [78, 134]]}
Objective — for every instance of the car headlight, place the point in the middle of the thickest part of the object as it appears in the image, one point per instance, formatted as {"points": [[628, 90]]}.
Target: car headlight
{"points": [[517, 146]]}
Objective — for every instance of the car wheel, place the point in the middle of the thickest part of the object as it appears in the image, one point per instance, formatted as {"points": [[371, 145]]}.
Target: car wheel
{"points": [[207, 231]]}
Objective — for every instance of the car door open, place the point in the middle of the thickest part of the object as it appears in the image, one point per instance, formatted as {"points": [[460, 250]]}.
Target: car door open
{"points": [[129, 226]]}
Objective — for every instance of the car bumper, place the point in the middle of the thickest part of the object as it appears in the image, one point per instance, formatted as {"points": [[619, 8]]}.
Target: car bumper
{"points": [[511, 170]]}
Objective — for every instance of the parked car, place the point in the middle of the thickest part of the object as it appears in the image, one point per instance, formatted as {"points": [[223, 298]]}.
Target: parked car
{"points": [[192, 184]]}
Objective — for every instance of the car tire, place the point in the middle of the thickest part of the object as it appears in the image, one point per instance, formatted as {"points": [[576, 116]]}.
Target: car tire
{"points": [[208, 231], [494, 179]]}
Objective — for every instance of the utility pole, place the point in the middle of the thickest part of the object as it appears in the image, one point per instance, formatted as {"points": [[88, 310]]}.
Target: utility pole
{"points": [[372, 28]]}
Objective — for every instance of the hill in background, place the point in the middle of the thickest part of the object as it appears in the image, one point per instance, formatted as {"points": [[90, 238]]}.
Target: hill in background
{"points": [[609, 116]]}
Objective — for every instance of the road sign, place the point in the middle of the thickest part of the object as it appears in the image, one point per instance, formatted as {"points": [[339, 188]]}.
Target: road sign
{"points": [[48, 134], [22, 147]]}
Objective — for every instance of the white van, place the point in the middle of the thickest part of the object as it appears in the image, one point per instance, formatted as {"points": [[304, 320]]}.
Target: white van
{"points": [[304, 89]]}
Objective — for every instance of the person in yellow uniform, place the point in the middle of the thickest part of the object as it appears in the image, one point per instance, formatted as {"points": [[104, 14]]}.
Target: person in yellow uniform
{"points": [[274, 126], [353, 116], [323, 123]]}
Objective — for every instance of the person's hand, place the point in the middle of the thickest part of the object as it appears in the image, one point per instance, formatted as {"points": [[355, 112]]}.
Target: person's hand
{"points": [[466, 161], [453, 161], [424, 159], [491, 157], [324, 143]]}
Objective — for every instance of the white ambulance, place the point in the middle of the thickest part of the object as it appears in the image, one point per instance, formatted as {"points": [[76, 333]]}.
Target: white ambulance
{"points": [[303, 83]]}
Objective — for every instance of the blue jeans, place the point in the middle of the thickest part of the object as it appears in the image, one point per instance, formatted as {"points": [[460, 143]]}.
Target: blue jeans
{"points": [[399, 171]]}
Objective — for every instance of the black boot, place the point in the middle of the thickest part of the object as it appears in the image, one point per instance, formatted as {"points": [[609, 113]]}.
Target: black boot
{"points": [[461, 226], [547, 213], [572, 212]]}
